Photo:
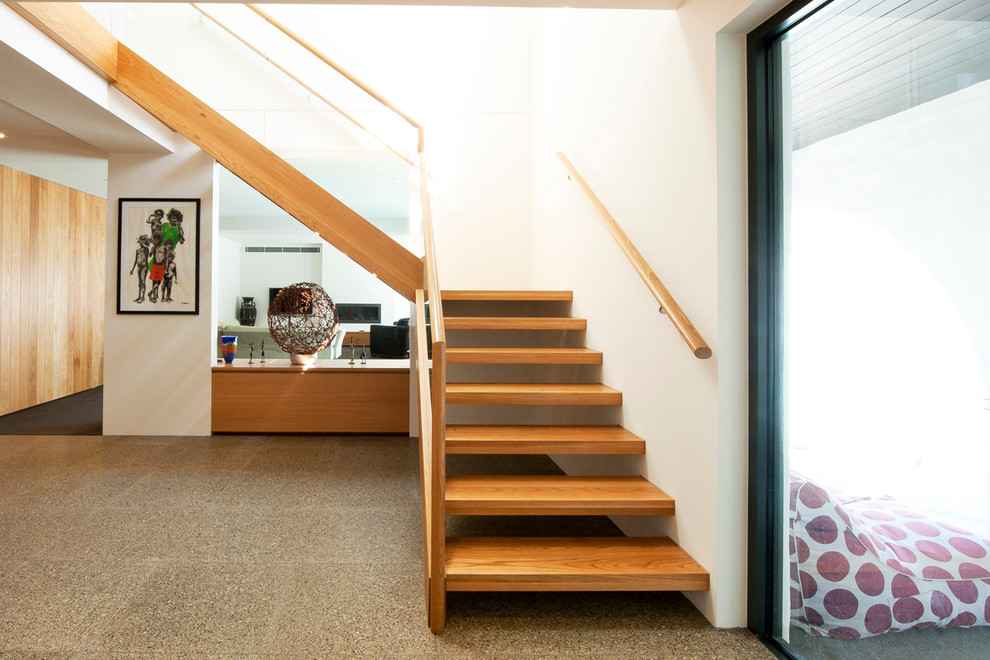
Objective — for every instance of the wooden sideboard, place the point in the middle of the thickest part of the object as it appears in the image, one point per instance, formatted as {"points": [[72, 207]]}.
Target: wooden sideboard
{"points": [[360, 338], [330, 396]]}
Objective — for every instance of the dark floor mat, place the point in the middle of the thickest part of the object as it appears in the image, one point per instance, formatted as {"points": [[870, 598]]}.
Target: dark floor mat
{"points": [[76, 414]]}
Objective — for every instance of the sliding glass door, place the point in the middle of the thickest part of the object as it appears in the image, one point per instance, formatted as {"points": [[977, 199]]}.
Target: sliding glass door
{"points": [[870, 328]]}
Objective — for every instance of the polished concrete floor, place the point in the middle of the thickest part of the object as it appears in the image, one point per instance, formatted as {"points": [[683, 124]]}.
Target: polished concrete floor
{"points": [[271, 547]]}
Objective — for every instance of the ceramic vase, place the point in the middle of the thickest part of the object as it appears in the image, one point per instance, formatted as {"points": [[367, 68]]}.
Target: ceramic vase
{"points": [[248, 312]]}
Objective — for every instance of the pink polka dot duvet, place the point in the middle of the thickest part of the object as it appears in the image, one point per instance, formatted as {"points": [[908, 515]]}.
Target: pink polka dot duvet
{"points": [[861, 567]]}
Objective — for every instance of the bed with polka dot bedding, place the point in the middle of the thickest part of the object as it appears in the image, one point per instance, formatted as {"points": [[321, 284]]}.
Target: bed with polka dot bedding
{"points": [[861, 567]]}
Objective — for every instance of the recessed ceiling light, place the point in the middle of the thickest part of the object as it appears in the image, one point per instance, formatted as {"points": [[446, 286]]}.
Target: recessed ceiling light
{"points": [[2, 135]]}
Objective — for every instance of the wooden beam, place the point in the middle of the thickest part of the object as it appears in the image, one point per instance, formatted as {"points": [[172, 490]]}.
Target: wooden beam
{"points": [[254, 163], [74, 29], [264, 171]]}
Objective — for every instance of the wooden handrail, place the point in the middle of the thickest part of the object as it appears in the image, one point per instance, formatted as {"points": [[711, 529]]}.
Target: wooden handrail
{"points": [[339, 69], [302, 83], [431, 276], [438, 510], [653, 283], [437, 596], [431, 481]]}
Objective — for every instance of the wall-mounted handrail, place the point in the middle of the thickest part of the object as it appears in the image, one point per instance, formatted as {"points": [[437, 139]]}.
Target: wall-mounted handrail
{"points": [[302, 83], [653, 283]]}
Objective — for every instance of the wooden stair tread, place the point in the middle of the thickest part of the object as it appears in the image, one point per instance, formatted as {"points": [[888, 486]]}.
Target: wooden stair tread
{"points": [[571, 564], [532, 394], [523, 356], [555, 495], [478, 439], [515, 296], [514, 323]]}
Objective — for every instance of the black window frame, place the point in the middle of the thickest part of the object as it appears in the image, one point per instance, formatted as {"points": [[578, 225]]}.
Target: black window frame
{"points": [[766, 213]]}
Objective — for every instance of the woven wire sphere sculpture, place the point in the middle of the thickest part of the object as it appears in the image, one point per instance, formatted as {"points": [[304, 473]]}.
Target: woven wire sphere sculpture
{"points": [[303, 320]]}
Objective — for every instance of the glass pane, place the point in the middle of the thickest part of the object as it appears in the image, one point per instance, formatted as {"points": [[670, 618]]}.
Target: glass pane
{"points": [[887, 329]]}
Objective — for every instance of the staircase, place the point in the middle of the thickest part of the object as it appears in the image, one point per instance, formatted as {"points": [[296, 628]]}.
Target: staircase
{"points": [[499, 319], [582, 563]]}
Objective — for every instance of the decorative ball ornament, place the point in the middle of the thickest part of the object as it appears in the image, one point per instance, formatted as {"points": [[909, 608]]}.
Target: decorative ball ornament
{"points": [[303, 321]]}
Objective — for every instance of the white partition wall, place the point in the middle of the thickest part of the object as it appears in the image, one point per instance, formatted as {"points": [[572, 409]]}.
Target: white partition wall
{"points": [[157, 367]]}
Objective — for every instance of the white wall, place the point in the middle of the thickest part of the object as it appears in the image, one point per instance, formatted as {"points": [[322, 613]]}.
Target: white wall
{"points": [[464, 72], [347, 282], [253, 273], [157, 367], [228, 262], [261, 271], [650, 108]]}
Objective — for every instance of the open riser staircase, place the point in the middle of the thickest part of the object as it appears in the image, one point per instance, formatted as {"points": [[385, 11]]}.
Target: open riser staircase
{"points": [[515, 378], [493, 338]]}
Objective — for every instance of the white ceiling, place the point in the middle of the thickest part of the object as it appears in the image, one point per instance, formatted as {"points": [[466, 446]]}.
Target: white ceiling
{"points": [[858, 61], [25, 131], [54, 131], [36, 91], [40, 149]]}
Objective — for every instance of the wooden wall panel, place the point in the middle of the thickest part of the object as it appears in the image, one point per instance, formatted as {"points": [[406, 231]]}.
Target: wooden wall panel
{"points": [[52, 256]]}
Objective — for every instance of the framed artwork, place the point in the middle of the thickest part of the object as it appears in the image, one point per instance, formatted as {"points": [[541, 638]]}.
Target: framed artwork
{"points": [[158, 256]]}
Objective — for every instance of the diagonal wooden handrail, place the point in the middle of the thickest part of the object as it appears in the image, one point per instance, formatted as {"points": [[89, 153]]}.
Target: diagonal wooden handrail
{"points": [[432, 394], [309, 88], [667, 303], [433, 288], [341, 70]]}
